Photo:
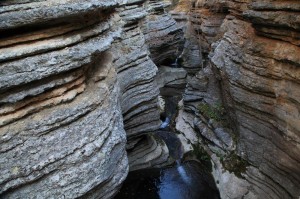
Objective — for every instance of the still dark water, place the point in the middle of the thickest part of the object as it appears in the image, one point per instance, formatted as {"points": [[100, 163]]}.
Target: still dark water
{"points": [[182, 181]]}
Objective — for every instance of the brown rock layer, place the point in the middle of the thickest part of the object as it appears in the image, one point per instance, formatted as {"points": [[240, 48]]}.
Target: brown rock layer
{"points": [[61, 130], [253, 69]]}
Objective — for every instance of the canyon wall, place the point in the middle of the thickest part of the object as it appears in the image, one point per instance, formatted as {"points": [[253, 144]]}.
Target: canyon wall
{"points": [[61, 127], [162, 34], [244, 101], [139, 91], [77, 90]]}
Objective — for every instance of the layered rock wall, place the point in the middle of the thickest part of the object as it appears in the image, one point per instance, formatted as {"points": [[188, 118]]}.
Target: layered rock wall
{"points": [[61, 129], [253, 70], [262, 77], [74, 76], [139, 91], [162, 34]]}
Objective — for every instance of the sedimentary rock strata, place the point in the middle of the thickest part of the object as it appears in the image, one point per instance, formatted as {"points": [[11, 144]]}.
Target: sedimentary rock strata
{"points": [[162, 34], [253, 68], [61, 128], [79, 86], [139, 91], [74, 76]]}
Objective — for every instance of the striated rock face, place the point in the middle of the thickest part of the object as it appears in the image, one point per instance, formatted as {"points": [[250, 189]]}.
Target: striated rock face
{"points": [[136, 73], [61, 130], [263, 81], [74, 76], [171, 77], [139, 91], [162, 34], [262, 77], [253, 70]]}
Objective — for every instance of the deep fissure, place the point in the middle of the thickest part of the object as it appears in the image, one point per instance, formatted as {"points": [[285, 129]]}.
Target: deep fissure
{"points": [[194, 98], [185, 173]]}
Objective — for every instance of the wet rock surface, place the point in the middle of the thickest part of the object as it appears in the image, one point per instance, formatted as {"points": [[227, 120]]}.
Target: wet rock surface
{"points": [[182, 180], [187, 181]]}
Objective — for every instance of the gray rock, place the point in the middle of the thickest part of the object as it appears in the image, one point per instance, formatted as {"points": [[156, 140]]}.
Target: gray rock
{"points": [[252, 68], [139, 90], [149, 153], [171, 77], [225, 136], [162, 34], [81, 131], [62, 133], [17, 15]]}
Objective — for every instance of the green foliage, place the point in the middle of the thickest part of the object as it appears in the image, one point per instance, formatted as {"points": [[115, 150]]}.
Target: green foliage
{"points": [[220, 155], [234, 163], [202, 156], [216, 112]]}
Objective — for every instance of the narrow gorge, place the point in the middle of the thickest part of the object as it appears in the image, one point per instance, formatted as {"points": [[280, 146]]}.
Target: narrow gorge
{"points": [[201, 97]]}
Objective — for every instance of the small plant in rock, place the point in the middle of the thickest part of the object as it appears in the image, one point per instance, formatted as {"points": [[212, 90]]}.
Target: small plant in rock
{"points": [[235, 164], [216, 112], [201, 155], [220, 155]]}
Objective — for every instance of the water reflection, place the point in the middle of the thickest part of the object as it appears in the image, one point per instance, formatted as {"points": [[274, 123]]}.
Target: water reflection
{"points": [[183, 181], [187, 180]]}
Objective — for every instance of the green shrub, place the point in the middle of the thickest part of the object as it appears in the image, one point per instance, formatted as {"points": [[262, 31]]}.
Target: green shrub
{"points": [[234, 163], [202, 156], [216, 112]]}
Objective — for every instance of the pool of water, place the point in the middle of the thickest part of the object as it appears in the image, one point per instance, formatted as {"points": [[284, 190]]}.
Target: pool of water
{"points": [[187, 180], [182, 180]]}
